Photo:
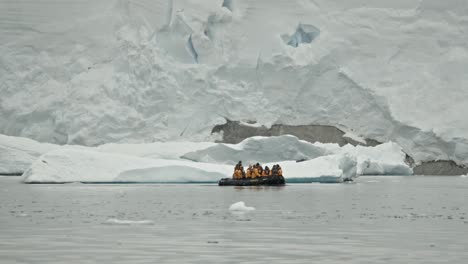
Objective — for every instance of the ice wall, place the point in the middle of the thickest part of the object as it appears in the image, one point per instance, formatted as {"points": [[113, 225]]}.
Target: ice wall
{"points": [[91, 72]]}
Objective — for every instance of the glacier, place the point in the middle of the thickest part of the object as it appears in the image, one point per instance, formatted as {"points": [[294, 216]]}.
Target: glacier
{"points": [[94, 72]]}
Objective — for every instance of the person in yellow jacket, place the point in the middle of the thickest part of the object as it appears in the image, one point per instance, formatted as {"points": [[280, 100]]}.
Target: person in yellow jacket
{"points": [[266, 171], [280, 171], [249, 172], [255, 172], [260, 170], [238, 171]]}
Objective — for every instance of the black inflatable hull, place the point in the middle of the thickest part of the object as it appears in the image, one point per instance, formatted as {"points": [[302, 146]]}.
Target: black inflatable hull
{"points": [[270, 180]]}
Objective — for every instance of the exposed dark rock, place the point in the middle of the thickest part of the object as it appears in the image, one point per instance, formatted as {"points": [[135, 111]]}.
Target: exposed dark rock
{"points": [[439, 167], [234, 132], [11, 174]]}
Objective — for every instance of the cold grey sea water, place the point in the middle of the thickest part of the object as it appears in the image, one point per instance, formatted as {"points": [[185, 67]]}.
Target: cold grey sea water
{"points": [[373, 220]]}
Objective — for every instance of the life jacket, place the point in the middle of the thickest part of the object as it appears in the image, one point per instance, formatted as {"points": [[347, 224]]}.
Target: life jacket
{"points": [[260, 171], [266, 172], [280, 172], [255, 173], [248, 174]]}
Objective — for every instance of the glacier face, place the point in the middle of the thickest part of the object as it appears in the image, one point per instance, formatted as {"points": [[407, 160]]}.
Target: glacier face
{"points": [[90, 72]]}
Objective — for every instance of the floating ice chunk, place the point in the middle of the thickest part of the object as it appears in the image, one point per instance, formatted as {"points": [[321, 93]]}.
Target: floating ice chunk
{"points": [[326, 169], [384, 159], [115, 221], [240, 207], [83, 165]]}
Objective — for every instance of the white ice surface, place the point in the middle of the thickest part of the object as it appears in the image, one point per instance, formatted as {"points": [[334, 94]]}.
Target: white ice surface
{"points": [[139, 71], [383, 159], [240, 207], [82, 165], [161, 162], [17, 154], [70, 164], [259, 149], [115, 221]]}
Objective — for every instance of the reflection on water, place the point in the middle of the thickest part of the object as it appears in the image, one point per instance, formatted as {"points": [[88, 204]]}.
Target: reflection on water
{"points": [[375, 220]]}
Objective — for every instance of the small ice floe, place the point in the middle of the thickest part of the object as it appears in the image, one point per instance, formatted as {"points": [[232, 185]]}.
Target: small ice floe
{"points": [[464, 176], [115, 221], [240, 207]]}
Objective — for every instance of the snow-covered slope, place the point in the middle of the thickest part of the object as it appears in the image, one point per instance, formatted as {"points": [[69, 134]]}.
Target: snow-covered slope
{"points": [[92, 72]]}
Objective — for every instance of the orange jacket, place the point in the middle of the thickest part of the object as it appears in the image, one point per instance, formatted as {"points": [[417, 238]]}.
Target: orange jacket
{"points": [[248, 174], [255, 173]]}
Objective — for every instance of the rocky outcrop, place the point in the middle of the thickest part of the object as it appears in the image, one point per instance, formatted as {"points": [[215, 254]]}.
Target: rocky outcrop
{"points": [[440, 167], [234, 132]]}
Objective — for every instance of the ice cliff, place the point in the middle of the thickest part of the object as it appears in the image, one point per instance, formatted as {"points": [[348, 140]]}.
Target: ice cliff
{"points": [[93, 72]]}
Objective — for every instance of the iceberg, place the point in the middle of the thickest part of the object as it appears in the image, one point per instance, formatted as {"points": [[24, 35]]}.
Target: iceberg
{"points": [[81, 165], [68, 164], [17, 153], [384, 159], [189, 162], [326, 169]]}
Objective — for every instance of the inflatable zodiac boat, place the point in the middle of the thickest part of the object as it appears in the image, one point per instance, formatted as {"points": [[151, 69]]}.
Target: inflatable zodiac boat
{"points": [[268, 180]]}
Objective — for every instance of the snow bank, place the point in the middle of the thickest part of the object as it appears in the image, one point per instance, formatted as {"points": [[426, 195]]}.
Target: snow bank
{"points": [[80, 165], [259, 149], [240, 207]]}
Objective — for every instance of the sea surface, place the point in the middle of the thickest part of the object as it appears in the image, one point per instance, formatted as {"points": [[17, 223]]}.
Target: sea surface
{"points": [[411, 219]]}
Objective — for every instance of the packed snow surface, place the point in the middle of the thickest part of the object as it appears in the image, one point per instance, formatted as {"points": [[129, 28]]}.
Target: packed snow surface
{"points": [[94, 72], [240, 207]]}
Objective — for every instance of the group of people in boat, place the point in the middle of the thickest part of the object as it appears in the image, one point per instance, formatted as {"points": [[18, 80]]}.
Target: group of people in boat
{"points": [[255, 171]]}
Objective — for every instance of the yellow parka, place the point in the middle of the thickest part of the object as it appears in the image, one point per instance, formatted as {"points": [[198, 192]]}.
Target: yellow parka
{"points": [[255, 173], [248, 174]]}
